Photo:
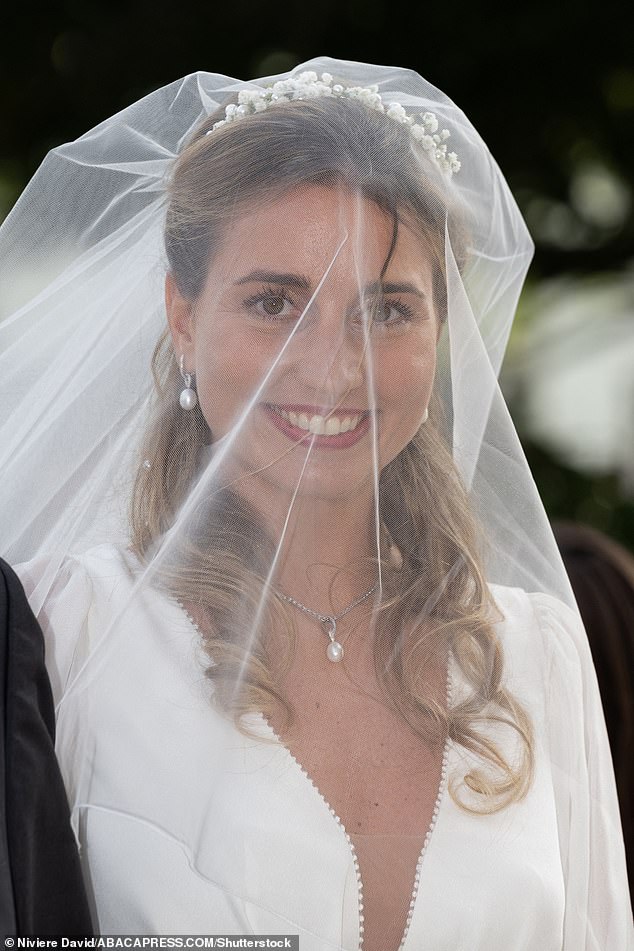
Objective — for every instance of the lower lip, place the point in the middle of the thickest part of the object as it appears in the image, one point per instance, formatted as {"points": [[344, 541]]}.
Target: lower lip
{"points": [[340, 441]]}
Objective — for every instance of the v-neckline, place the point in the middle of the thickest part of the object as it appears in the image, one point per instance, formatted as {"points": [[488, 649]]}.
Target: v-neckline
{"points": [[440, 797], [258, 717]]}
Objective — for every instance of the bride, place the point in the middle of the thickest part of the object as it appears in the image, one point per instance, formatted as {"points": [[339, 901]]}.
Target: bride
{"points": [[317, 665]]}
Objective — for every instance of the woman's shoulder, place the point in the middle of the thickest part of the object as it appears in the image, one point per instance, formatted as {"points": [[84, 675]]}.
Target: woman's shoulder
{"points": [[532, 607], [51, 572], [105, 561], [537, 619], [69, 596]]}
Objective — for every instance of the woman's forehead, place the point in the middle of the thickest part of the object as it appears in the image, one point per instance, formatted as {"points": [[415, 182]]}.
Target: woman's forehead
{"points": [[319, 232]]}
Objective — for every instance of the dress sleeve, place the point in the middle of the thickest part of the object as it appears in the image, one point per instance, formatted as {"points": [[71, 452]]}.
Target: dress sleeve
{"points": [[61, 600], [598, 913]]}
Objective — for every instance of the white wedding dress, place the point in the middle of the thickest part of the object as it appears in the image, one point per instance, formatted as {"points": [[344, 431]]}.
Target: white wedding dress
{"points": [[187, 827]]}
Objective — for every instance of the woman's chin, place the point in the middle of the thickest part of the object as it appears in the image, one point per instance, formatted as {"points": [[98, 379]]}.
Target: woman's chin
{"points": [[333, 485], [319, 482]]}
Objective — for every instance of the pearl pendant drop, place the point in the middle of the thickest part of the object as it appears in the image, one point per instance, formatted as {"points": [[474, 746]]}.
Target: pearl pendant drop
{"points": [[334, 651], [188, 398]]}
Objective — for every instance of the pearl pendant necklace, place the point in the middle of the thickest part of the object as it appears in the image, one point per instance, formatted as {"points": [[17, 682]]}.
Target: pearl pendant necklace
{"points": [[334, 651]]}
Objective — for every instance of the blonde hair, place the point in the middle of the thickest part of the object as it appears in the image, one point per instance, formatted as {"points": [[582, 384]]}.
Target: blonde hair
{"points": [[223, 559]]}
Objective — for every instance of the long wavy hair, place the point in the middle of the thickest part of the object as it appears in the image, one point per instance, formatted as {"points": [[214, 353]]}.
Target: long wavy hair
{"points": [[221, 560]]}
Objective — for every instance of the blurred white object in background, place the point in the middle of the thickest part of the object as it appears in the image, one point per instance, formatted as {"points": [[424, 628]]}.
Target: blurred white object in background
{"points": [[570, 372]]}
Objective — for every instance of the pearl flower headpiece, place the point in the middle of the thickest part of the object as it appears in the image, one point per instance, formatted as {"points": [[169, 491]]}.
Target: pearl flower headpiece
{"points": [[309, 86]]}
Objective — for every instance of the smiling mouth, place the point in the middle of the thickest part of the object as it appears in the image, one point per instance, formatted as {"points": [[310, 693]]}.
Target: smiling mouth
{"points": [[318, 425]]}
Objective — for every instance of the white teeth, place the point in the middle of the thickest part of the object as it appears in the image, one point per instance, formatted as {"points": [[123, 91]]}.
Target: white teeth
{"points": [[320, 425], [317, 425]]}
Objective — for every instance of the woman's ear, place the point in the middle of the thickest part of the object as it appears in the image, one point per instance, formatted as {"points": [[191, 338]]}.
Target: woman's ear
{"points": [[181, 322]]}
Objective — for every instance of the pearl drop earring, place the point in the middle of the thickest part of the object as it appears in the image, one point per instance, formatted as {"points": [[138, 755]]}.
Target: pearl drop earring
{"points": [[188, 398]]}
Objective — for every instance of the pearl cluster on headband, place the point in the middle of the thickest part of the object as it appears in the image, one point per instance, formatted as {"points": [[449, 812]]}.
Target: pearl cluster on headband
{"points": [[309, 86]]}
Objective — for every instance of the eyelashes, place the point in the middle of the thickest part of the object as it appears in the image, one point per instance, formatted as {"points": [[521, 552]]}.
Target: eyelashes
{"points": [[270, 303], [271, 296], [406, 312]]}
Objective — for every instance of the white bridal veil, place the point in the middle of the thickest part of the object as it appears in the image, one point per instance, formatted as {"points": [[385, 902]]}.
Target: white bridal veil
{"points": [[267, 501]]}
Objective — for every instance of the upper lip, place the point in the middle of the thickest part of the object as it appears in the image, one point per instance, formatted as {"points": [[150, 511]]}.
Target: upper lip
{"points": [[318, 410]]}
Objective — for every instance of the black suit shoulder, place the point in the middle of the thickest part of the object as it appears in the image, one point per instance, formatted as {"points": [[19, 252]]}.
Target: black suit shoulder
{"points": [[41, 885]]}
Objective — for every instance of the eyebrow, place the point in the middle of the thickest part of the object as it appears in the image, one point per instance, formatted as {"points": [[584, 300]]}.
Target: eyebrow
{"points": [[402, 288], [272, 277], [301, 282]]}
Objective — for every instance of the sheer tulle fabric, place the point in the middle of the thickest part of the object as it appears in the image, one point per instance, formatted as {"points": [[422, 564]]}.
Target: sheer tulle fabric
{"points": [[339, 305]]}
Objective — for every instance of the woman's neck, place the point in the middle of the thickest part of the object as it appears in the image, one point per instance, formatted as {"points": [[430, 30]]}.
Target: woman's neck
{"points": [[327, 550], [329, 569]]}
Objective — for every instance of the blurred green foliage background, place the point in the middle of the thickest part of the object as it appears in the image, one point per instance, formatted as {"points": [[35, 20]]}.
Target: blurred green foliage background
{"points": [[549, 85]]}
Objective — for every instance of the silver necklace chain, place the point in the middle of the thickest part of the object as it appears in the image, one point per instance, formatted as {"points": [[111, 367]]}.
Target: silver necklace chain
{"points": [[334, 651]]}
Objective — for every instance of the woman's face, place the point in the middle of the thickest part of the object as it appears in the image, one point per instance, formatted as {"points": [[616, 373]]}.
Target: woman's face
{"points": [[295, 323]]}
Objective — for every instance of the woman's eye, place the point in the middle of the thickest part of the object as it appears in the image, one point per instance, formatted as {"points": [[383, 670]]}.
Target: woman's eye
{"points": [[389, 312], [383, 312], [270, 303], [273, 306]]}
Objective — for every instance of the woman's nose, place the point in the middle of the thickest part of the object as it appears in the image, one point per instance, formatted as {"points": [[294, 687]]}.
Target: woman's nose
{"points": [[329, 360]]}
